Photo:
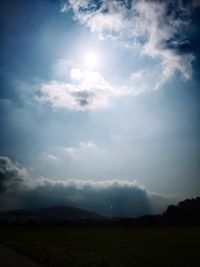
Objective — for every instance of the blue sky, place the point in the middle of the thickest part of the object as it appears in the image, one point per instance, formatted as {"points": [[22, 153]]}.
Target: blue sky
{"points": [[131, 113]]}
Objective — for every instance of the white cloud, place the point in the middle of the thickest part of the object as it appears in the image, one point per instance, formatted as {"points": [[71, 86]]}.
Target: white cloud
{"points": [[88, 90], [82, 150], [158, 29], [64, 8], [52, 157], [100, 23], [88, 145], [135, 76], [76, 74]]}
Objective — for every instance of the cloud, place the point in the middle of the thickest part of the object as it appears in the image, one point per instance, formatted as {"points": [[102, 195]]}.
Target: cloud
{"points": [[159, 28], [155, 28], [11, 175], [83, 150], [52, 157], [108, 197], [88, 90], [106, 22]]}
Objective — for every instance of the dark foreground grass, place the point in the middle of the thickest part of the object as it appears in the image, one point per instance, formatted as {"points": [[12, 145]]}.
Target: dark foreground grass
{"points": [[105, 247]]}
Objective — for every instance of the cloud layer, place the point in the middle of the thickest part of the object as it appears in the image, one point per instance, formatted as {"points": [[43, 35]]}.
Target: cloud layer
{"points": [[108, 197]]}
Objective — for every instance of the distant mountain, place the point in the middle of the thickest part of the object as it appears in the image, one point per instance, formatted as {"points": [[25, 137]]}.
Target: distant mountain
{"points": [[47, 215]]}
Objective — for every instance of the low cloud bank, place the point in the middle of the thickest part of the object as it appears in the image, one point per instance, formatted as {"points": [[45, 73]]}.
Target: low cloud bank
{"points": [[108, 197]]}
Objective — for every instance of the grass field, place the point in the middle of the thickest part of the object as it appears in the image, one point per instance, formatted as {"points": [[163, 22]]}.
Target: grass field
{"points": [[105, 247]]}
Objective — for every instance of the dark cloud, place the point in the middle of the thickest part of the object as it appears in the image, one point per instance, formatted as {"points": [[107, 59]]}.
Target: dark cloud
{"points": [[109, 197], [84, 97], [181, 46], [11, 175], [106, 197]]}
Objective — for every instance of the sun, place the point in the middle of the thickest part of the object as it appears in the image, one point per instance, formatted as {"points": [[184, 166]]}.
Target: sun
{"points": [[91, 60]]}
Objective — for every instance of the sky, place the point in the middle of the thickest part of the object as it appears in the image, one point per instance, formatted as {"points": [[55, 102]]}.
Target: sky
{"points": [[100, 104]]}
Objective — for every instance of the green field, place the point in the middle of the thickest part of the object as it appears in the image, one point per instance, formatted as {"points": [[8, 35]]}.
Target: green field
{"points": [[105, 246]]}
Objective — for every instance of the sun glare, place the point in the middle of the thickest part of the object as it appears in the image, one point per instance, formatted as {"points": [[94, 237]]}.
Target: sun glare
{"points": [[91, 60]]}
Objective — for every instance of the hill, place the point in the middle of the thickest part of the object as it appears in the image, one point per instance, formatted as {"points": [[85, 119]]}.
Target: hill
{"points": [[51, 215], [186, 213]]}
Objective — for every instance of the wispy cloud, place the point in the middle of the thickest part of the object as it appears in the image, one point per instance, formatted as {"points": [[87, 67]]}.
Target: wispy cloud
{"points": [[52, 157], [82, 150]]}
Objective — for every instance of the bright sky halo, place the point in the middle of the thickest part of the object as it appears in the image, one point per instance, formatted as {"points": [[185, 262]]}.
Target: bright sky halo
{"points": [[91, 60]]}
